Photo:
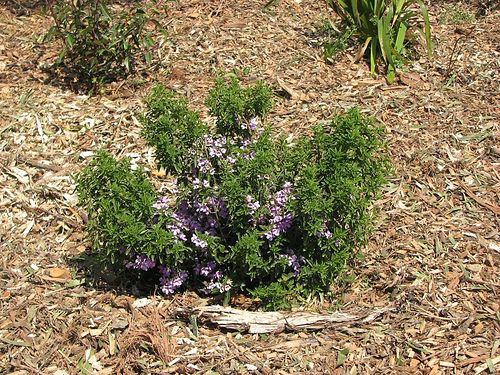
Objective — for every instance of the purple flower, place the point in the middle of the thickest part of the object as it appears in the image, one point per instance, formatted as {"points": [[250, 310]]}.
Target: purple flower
{"points": [[252, 204], [198, 242], [281, 197], [216, 146], [161, 204], [177, 228], [197, 183], [208, 269], [253, 124], [217, 275], [205, 166], [280, 220], [245, 143], [219, 206], [325, 231], [201, 208], [224, 287], [171, 280], [294, 261], [221, 286], [141, 262]]}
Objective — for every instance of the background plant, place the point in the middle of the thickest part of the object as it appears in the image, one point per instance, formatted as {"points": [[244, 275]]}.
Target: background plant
{"points": [[335, 41], [382, 26], [456, 14], [252, 212], [99, 45]]}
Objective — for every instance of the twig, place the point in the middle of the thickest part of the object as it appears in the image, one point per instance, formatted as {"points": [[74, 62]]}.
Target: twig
{"points": [[32, 163], [494, 208], [450, 62]]}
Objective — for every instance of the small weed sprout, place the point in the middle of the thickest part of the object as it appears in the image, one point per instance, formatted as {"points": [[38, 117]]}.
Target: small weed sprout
{"points": [[456, 15]]}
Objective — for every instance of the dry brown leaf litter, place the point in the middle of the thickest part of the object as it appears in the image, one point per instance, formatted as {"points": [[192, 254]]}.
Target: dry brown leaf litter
{"points": [[434, 256]]}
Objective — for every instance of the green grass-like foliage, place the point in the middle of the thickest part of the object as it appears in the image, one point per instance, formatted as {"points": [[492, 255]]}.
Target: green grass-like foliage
{"points": [[99, 45], [253, 212], [382, 26]]}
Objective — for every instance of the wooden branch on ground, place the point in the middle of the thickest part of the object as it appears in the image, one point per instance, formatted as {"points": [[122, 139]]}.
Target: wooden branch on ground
{"points": [[266, 322]]}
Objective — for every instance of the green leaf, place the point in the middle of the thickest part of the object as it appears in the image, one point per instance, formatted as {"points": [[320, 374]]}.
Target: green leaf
{"points": [[373, 54], [399, 6], [398, 46], [355, 11], [341, 356], [427, 27], [126, 61], [391, 73], [70, 40]]}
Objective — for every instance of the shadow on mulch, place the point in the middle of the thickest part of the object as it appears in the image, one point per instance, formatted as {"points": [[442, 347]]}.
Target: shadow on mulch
{"points": [[22, 7], [102, 277], [28, 7], [483, 7], [120, 281], [67, 79]]}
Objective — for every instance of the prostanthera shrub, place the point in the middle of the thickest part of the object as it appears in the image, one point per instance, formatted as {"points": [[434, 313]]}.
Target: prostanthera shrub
{"points": [[253, 212], [99, 45]]}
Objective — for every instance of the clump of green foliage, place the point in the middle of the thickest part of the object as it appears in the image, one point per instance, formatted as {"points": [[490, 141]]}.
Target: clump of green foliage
{"points": [[334, 41], [252, 212], [456, 15], [172, 128], [382, 27], [119, 202], [99, 45]]}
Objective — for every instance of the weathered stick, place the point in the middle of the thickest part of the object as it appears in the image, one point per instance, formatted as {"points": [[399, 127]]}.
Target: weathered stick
{"points": [[265, 322]]}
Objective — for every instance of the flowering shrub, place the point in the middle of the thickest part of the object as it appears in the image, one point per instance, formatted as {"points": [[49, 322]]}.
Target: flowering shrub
{"points": [[252, 212]]}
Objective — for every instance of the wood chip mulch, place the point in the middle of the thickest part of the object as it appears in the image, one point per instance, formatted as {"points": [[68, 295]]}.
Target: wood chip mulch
{"points": [[433, 258]]}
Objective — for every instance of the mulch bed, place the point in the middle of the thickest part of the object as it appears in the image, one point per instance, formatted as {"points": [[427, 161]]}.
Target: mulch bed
{"points": [[433, 258]]}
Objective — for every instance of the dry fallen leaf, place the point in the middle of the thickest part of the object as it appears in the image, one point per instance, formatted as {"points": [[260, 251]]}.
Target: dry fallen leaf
{"points": [[60, 273]]}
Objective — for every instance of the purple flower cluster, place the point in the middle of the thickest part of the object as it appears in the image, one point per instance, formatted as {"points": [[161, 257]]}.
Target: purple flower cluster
{"points": [[196, 241], [141, 262], [294, 261], [280, 220], [214, 276], [204, 166], [199, 184], [325, 231], [197, 217], [252, 125], [161, 204], [171, 280], [216, 146], [221, 286], [205, 269], [252, 204]]}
